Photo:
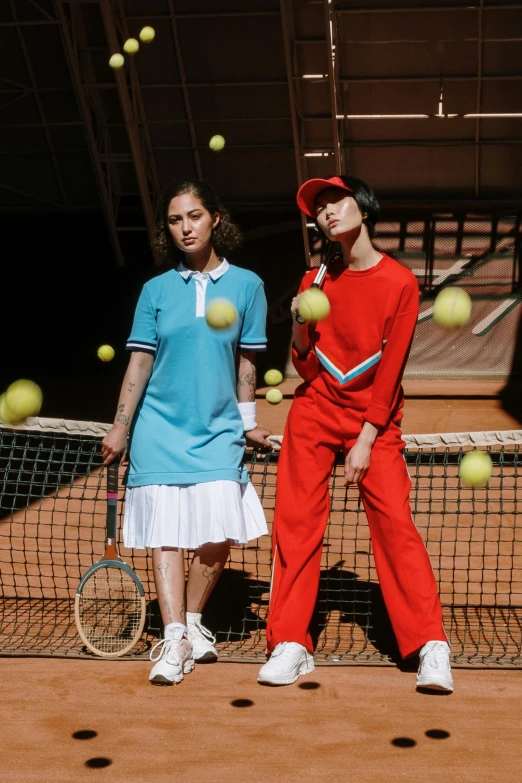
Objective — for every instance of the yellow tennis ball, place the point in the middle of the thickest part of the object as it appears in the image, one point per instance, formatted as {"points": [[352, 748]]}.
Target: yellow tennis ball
{"points": [[273, 396], [3, 409], [273, 377], [147, 34], [313, 305], [131, 46], [217, 143], [452, 308], [221, 314], [117, 60], [22, 399], [106, 353], [475, 469]]}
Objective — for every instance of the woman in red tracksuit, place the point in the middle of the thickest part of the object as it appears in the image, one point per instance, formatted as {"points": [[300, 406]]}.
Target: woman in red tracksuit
{"points": [[352, 363]]}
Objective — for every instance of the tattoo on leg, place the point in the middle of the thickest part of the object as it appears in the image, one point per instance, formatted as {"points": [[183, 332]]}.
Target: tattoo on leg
{"points": [[211, 574], [163, 568]]}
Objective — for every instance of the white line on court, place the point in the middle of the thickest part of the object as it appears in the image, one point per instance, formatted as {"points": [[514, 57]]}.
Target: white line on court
{"points": [[483, 325]]}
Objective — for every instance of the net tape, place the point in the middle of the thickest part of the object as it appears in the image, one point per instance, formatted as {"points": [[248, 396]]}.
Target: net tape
{"points": [[52, 528]]}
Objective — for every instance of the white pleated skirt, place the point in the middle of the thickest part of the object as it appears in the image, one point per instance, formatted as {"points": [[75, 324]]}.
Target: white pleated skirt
{"points": [[190, 515]]}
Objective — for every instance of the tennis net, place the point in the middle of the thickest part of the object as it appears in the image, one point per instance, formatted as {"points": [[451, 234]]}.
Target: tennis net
{"points": [[52, 528]]}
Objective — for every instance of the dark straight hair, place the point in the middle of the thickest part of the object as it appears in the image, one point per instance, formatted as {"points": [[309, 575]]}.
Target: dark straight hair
{"points": [[369, 206], [226, 236]]}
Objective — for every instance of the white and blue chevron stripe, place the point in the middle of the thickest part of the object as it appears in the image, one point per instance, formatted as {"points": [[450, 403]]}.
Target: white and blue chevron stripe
{"points": [[354, 372]]}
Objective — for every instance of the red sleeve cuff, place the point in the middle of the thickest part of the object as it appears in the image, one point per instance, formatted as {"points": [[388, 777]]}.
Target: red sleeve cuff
{"points": [[378, 415], [307, 366]]}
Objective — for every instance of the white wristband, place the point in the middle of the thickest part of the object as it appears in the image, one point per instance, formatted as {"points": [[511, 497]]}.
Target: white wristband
{"points": [[248, 414]]}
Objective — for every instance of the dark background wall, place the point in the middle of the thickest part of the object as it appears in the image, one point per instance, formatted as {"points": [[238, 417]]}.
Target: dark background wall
{"points": [[62, 296]]}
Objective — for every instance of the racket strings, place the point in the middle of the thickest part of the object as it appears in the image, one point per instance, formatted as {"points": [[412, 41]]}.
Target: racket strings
{"points": [[110, 609]]}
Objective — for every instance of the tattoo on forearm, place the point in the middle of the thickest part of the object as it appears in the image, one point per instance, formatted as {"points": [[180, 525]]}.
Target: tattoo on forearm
{"points": [[131, 386], [121, 419], [121, 408], [248, 380]]}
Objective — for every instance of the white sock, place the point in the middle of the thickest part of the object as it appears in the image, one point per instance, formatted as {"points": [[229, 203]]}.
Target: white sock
{"points": [[193, 617], [172, 627]]}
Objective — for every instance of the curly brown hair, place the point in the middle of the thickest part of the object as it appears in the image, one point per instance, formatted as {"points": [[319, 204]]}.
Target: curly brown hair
{"points": [[226, 236]]}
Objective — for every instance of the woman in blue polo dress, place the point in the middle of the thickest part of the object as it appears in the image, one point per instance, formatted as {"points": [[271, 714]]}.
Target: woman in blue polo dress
{"points": [[187, 408]]}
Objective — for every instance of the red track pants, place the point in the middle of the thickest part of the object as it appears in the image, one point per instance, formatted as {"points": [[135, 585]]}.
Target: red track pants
{"points": [[316, 430]]}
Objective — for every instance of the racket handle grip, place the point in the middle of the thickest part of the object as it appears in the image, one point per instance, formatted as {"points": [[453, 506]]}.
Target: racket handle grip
{"points": [[112, 478]]}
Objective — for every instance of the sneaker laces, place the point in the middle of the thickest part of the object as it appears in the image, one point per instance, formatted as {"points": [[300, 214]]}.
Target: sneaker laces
{"points": [[165, 646], [202, 631], [280, 650], [436, 656]]}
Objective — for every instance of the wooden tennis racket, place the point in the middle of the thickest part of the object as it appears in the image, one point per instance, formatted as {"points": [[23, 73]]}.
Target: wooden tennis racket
{"points": [[110, 608]]}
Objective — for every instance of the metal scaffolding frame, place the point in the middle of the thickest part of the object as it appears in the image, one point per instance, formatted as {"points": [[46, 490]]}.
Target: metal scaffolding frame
{"points": [[295, 112], [316, 119], [74, 38]]}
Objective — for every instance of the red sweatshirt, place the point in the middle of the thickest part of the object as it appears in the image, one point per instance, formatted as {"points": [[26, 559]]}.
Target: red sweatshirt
{"points": [[358, 354]]}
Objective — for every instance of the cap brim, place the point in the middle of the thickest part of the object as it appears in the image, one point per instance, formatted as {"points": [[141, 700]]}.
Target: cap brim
{"points": [[309, 190]]}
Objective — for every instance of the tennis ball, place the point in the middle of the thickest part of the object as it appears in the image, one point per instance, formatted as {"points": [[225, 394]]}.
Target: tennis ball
{"points": [[273, 396], [131, 46], [273, 377], [22, 399], [475, 469], [3, 409], [452, 308], [147, 34], [221, 314], [217, 143], [313, 305], [117, 60], [106, 353]]}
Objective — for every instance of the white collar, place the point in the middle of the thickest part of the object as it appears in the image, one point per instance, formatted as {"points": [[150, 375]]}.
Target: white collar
{"points": [[214, 274]]}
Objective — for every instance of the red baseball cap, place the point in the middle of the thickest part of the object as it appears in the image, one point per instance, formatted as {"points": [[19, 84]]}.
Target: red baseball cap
{"points": [[309, 190]]}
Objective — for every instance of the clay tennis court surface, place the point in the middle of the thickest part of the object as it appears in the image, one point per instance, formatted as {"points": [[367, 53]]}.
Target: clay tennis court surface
{"points": [[75, 720], [353, 724]]}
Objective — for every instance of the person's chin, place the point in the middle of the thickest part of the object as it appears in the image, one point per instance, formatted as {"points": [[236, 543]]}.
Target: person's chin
{"points": [[339, 231]]}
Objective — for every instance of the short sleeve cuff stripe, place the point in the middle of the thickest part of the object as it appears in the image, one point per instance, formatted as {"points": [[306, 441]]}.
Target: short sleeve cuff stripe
{"points": [[137, 345], [253, 346]]}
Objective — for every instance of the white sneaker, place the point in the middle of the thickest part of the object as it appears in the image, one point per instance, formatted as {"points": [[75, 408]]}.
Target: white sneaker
{"points": [[288, 661], [173, 660], [434, 668], [202, 642]]}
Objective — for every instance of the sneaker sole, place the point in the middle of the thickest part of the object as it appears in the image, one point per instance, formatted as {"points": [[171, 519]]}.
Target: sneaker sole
{"points": [[435, 686], [208, 657], [160, 679], [306, 668]]}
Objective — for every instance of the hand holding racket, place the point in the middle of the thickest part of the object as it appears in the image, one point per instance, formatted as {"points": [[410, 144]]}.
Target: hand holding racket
{"points": [[109, 608], [314, 308]]}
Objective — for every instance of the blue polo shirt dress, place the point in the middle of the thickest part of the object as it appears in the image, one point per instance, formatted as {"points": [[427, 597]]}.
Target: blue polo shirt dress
{"points": [[186, 482]]}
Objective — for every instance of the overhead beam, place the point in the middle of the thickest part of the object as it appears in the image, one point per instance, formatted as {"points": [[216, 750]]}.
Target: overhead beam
{"points": [[131, 110], [478, 102], [39, 105], [425, 9], [287, 30], [186, 96], [332, 58], [91, 110]]}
